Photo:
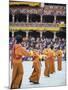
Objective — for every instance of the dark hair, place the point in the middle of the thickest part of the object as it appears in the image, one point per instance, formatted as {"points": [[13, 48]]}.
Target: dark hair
{"points": [[18, 39], [51, 47], [58, 47]]}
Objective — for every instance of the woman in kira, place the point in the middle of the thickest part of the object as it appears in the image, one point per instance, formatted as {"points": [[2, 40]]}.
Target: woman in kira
{"points": [[16, 62], [35, 76]]}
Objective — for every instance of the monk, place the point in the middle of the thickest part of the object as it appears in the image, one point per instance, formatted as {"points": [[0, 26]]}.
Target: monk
{"points": [[59, 54], [52, 61], [49, 62], [35, 76], [17, 52]]}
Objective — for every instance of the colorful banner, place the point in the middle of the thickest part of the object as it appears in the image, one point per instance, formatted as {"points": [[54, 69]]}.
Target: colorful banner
{"points": [[15, 28], [24, 3]]}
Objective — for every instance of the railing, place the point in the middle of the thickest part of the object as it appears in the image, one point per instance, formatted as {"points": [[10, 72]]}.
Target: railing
{"points": [[48, 10], [36, 24]]}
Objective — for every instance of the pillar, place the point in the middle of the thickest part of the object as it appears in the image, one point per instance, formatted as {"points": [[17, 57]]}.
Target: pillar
{"points": [[12, 33], [41, 18], [27, 18], [13, 18], [41, 34], [54, 18], [27, 32], [54, 35]]}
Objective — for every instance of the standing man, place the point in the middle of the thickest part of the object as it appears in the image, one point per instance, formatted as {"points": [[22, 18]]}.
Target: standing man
{"points": [[17, 52], [52, 60]]}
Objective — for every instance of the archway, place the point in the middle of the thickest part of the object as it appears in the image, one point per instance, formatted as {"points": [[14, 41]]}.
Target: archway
{"points": [[20, 17], [22, 33], [61, 19], [61, 34], [10, 17], [34, 18], [48, 18], [48, 34], [34, 34]]}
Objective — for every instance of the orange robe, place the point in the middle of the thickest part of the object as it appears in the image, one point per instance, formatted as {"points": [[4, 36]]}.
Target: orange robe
{"points": [[35, 76], [52, 62], [17, 75], [49, 62], [59, 58]]}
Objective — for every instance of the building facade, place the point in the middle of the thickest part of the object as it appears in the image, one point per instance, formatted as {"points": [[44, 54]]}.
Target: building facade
{"points": [[28, 17]]}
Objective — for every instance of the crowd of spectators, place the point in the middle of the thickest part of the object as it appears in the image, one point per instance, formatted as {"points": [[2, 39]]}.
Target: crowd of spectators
{"points": [[41, 43]]}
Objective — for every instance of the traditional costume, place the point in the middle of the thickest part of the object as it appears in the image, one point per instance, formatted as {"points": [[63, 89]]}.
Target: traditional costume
{"points": [[17, 74], [59, 59], [35, 76], [49, 61]]}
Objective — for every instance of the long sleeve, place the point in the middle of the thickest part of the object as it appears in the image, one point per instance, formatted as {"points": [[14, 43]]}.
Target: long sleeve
{"points": [[24, 52]]}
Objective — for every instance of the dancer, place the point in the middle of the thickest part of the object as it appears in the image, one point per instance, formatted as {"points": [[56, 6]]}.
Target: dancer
{"points": [[17, 52], [49, 61], [35, 76], [59, 54], [52, 60]]}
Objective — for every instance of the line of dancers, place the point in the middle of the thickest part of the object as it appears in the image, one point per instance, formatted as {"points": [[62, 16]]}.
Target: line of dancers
{"points": [[49, 55]]}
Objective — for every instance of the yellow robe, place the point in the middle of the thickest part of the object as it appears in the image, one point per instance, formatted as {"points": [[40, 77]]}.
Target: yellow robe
{"points": [[59, 59], [17, 75], [35, 76]]}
